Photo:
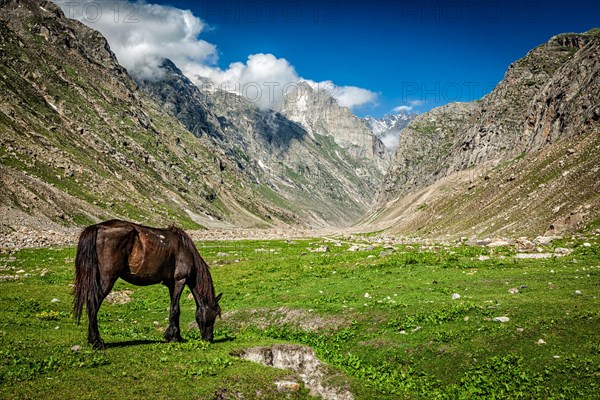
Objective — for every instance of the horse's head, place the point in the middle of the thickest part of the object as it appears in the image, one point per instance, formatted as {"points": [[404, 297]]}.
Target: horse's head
{"points": [[209, 315]]}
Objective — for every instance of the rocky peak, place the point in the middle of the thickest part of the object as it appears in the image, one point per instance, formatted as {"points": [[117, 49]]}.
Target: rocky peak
{"points": [[320, 114]]}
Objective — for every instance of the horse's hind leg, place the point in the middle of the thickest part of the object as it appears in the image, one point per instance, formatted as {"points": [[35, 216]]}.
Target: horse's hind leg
{"points": [[92, 310], [173, 334]]}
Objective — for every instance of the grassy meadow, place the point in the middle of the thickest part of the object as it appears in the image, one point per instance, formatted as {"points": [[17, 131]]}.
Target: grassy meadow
{"points": [[401, 321]]}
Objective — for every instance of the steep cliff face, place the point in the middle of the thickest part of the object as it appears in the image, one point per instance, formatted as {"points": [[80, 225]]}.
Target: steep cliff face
{"points": [[81, 143], [546, 101], [324, 171], [319, 113]]}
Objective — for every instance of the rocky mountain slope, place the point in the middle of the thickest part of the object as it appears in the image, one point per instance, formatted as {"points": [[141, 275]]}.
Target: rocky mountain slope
{"points": [[81, 143], [318, 160], [524, 159]]}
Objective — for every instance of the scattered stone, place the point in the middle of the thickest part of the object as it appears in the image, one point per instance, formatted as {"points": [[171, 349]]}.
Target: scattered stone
{"points": [[21, 271], [287, 386], [367, 296], [587, 244], [119, 297], [570, 151], [455, 296], [76, 348], [523, 243], [498, 243], [513, 290], [483, 258], [321, 249], [466, 319], [520, 329], [546, 240], [55, 300], [501, 319], [563, 251], [578, 292], [354, 247], [533, 255], [541, 341], [483, 242], [417, 329], [221, 254]]}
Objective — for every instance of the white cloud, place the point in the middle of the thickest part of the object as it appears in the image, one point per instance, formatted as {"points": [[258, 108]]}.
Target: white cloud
{"points": [[415, 103], [402, 109], [142, 35], [347, 96], [352, 96], [390, 140], [263, 78]]}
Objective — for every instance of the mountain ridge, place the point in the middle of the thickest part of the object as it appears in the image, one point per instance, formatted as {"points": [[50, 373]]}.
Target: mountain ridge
{"points": [[547, 100]]}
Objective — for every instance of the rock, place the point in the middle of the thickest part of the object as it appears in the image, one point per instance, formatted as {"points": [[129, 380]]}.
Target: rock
{"points": [[221, 254], [287, 386], [545, 240], [499, 243], [367, 296], [321, 249], [483, 242], [523, 243], [455, 296], [533, 255], [354, 247], [578, 292], [520, 329], [587, 244], [501, 319], [76, 348], [55, 300], [483, 258], [513, 290], [562, 250], [541, 341]]}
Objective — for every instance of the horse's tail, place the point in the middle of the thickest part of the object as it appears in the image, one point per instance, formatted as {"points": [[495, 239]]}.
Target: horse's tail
{"points": [[87, 273]]}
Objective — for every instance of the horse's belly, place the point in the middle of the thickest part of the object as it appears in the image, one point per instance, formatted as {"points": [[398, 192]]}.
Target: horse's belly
{"points": [[147, 264]]}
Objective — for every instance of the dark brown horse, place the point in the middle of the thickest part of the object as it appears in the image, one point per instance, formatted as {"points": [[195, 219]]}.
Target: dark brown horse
{"points": [[142, 256]]}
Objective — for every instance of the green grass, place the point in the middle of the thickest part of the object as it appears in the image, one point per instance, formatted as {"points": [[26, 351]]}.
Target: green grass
{"points": [[406, 339]]}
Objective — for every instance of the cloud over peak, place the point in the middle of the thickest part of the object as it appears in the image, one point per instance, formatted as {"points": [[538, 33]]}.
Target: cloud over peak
{"points": [[142, 35]]}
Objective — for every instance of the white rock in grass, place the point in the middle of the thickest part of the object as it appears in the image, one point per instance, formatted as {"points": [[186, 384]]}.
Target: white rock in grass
{"points": [[367, 296], [541, 341], [501, 319], [455, 296], [587, 244], [55, 300], [578, 292], [76, 348]]}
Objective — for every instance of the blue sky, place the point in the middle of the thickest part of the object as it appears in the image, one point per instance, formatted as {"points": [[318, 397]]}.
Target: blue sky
{"points": [[408, 54]]}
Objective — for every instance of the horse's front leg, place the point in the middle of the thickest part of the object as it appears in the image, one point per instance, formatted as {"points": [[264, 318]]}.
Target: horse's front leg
{"points": [[173, 334]]}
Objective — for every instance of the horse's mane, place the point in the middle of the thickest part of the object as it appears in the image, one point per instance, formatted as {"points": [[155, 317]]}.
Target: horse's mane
{"points": [[207, 290]]}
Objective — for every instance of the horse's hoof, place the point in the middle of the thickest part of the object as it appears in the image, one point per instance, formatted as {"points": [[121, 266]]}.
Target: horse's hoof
{"points": [[99, 345]]}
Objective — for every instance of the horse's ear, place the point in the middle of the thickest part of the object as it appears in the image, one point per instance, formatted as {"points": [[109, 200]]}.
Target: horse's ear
{"points": [[218, 297]]}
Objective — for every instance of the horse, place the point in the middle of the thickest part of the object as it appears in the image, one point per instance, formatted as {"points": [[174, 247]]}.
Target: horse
{"points": [[142, 256]]}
